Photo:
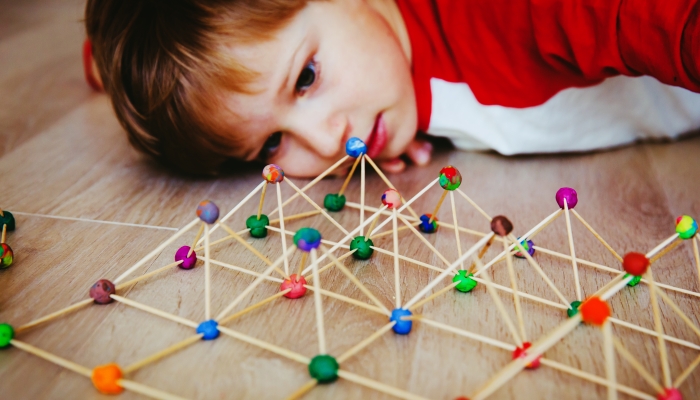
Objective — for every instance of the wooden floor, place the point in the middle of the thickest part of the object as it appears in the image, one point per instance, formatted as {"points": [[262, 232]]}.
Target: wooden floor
{"points": [[89, 207]]}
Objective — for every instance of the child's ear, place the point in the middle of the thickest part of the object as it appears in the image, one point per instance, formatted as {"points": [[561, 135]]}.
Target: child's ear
{"points": [[92, 75]]}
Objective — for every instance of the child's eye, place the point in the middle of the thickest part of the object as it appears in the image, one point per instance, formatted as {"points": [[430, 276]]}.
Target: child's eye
{"points": [[272, 143], [306, 78]]}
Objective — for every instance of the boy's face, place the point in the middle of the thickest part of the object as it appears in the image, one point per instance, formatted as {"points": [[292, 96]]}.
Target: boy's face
{"points": [[337, 70]]}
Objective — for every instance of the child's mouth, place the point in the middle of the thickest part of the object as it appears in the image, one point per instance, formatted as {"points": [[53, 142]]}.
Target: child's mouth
{"points": [[377, 139]]}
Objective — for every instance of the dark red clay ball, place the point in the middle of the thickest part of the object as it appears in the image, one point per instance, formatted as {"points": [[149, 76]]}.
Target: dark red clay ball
{"points": [[101, 291], [635, 263]]}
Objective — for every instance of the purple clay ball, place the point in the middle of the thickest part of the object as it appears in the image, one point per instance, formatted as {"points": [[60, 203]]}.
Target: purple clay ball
{"points": [[569, 194], [187, 262]]}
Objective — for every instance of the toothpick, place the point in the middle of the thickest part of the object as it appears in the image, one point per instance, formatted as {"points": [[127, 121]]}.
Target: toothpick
{"points": [[649, 332], [362, 194], [252, 249], [316, 206], [284, 237], [544, 276], [609, 352], [254, 306], [148, 275], [462, 332], [318, 303], [161, 354], [296, 216], [236, 208], [665, 251], [437, 207], [347, 179], [434, 295], [360, 346], [482, 212], [404, 258], [4, 233], [262, 200], [146, 390], [454, 219], [207, 275], [302, 264], [374, 222], [264, 345], [299, 393], [348, 300], [254, 284], [696, 253], [577, 283], [482, 252], [686, 373], [524, 295], [391, 231], [381, 387], [54, 315], [154, 311], [405, 205], [423, 239], [661, 246], [196, 239], [2, 213], [243, 270], [397, 279], [637, 366], [658, 327], [391, 185], [516, 297], [597, 236], [78, 369], [678, 311], [312, 183], [330, 264]]}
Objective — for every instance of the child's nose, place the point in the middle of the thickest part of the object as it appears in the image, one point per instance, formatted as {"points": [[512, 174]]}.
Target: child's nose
{"points": [[325, 135]]}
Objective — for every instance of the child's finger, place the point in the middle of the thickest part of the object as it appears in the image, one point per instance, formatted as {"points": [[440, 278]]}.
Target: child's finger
{"points": [[392, 166], [420, 152]]}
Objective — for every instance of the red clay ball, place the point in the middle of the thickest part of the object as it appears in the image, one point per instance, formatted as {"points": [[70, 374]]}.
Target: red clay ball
{"points": [[297, 284], [520, 352], [670, 394], [594, 311], [635, 263]]}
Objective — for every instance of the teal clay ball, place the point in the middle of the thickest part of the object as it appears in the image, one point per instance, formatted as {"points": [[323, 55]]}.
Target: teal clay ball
{"points": [[466, 282], [7, 219], [307, 239], [363, 246], [334, 202], [258, 227], [574, 309], [324, 368], [634, 280]]}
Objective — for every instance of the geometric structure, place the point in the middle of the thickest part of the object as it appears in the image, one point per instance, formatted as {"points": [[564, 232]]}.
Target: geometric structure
{"points": [[465, 272]]}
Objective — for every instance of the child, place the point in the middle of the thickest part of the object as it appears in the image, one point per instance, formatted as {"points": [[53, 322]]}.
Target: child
{"points": [[198, 82]]}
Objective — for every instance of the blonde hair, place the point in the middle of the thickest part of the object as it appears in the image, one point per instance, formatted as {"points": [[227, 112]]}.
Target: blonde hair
{"points": [[161, 61]]}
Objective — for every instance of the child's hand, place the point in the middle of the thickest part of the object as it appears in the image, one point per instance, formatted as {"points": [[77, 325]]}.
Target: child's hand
{"points": [[418, 152]]}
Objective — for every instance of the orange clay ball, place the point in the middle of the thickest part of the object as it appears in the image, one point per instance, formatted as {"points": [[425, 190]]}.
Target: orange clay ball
{"points": [[594, 311], [635, 263], [105, 379]]}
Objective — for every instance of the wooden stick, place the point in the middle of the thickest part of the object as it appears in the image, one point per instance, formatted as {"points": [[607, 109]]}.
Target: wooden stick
{"points": [[316, 206], [524, 295], [686, 373], [348, 300], [262, 201], [290, 233], [544, 276], [264, 345], [362, 195], [437, 207], [609, 352], [597, 236], [2, 213], [54, 315], [658, 327], [678, 311], [312, 183], [446, 272], [595, 379], [302, 264], [252, 249], [404, 258], [516, 297], [243, 270], [318, 303], [482, 252], [147, 275], [207, 275], [577, 282], [380, 387], [661, 245], [253, 284], [330, 264], [424, 240], [391, 231], [488, 218], [397, 278], [146, 390], [454, 219], [296, 216], [637, 366], [666, 249], [299, 393], [434, 295], [284, 237], [650, 332], [196, 239], [354, 280], [347, 179], [4, 233], [162, 354], [77, 368], [236, 208], [254, 306], [374, 222], [157, 250], [360, 346], [391, 185], [154, 311], [696, 253], [405, 204], [517, 365], [461, 332], [501, 308]]}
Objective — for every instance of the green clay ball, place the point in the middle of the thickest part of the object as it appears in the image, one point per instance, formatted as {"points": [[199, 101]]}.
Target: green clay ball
{"points": [[574, 308], [334, 202], [634, 280], [466, 282], [6, 334], [324, 368], [7, 219], [363, 246], [258, 227]]}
